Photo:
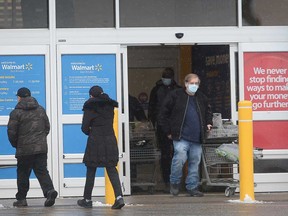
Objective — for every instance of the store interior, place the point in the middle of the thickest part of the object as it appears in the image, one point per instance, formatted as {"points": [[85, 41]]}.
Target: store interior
{"points": [[145, 66]]}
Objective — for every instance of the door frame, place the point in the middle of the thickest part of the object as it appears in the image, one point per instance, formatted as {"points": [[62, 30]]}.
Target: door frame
{"points": [[266, 182], [8, 187], [75, 186]]}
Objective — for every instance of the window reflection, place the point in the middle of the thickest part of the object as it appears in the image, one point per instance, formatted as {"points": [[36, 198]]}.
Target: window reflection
{"points": [[175, 13], [35, 13], [85, 14], [265, 12], [23, 14], [65, 13], [248, 13], [15, 14], [270, 166]]}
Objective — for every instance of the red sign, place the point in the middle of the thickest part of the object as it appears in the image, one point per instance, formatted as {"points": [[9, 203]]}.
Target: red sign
{"points": [[266, 80], [270, 134]]}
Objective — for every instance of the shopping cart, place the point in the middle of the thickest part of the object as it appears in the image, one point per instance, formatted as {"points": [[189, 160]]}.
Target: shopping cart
{"points": [[149, 157], [219, 171], [144, 156]]}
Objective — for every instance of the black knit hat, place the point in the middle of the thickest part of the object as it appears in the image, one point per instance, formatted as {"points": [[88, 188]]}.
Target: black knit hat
{"points": [[95, 91], [23, 92], [168, 73]]}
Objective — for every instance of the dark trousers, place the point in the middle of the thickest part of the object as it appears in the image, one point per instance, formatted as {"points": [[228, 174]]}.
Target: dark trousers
{"points": [[25, 165], [166, 148], [90, 179]]}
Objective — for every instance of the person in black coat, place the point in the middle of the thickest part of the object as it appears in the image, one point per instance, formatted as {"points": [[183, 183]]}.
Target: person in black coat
{"points": [[185, 117], [28, 128], [101, 149], [136, 110], [163, 86]]}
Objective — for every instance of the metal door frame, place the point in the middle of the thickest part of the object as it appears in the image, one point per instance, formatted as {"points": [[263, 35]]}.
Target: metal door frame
{"points": [[8, 187], [266, 182], [75, 186]]}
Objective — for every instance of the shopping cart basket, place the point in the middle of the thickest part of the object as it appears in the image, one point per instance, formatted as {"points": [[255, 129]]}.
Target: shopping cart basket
{"points": [[219, 171], [145, 156]]}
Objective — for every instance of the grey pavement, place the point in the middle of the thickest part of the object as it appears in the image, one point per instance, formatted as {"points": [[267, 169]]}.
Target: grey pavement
{"points": [[214, 204]]}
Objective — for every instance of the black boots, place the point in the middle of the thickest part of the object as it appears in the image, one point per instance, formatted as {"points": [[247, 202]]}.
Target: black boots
{"points": [[20, 203], [195, 193], [85, 203], [51, 196], [174, 189], [119, 203], [50, 201]]}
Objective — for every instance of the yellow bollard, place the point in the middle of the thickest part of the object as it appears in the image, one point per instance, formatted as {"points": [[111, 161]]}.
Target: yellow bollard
{"points": [[109, 192], [246, 150]]}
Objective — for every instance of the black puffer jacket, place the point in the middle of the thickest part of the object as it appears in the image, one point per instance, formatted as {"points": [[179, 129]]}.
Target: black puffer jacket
{"points": [[173, 111], [157, 95], [28, 128], [97, 123]]}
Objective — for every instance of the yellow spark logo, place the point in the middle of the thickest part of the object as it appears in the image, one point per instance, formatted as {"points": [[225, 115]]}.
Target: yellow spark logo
{"points": [[98, 67], [28, 66]]}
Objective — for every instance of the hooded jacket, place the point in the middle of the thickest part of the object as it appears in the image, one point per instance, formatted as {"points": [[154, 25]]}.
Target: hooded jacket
{"points": [[28, 127], [157, 95], [101, 149]]}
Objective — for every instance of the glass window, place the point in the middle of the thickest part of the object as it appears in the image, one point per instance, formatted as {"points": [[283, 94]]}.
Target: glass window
{"points": [[264, 12], [16, 14], [85, 13], [175, 13], [212, 64], [270, 166]]}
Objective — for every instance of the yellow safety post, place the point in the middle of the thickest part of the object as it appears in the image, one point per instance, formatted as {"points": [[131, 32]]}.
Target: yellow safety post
{"points": [[109, 192], [246, 150]]}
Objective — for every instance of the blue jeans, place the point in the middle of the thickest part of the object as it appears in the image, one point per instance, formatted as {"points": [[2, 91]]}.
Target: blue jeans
{"points": [[184, 150]]}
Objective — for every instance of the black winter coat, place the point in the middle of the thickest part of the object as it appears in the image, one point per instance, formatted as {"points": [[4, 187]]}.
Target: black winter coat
{"points": [[157, 95], [136, 110], [28, 128], [173, 111], [97, 123]]}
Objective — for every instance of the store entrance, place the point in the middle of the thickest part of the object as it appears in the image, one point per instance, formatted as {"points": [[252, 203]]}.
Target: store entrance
{"points": [[145, 67]]}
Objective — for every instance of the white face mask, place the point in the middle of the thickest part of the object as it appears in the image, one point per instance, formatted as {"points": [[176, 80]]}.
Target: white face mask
{"points": [[166, 81], [192, 88]]}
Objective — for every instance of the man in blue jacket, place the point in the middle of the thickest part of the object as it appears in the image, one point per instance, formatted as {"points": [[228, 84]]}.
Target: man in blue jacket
{"points": [[185, 117]]}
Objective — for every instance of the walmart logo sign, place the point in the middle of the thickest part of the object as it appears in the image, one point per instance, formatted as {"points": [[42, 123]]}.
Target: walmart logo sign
{"points": [[97, 67], [27, 66]]}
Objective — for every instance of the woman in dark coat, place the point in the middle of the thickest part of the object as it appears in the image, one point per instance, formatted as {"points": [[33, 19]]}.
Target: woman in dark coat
{"points": [[101, 149]]}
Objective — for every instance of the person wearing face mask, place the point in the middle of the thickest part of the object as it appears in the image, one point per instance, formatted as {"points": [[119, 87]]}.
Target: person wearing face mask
{"points": [[185, 117], [163, 86]]}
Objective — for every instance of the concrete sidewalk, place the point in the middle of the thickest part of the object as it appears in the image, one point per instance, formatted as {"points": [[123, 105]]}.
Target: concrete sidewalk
{"points": [[212, 204]]}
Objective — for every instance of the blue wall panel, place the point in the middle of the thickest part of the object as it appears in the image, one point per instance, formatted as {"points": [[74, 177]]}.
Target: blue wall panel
{"points": [[74, 140], [5, 146], [10, 172], [79, 170]]}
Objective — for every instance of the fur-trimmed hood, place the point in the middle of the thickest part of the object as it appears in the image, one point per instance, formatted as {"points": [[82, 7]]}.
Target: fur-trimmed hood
{"points": [[100, 101]]}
